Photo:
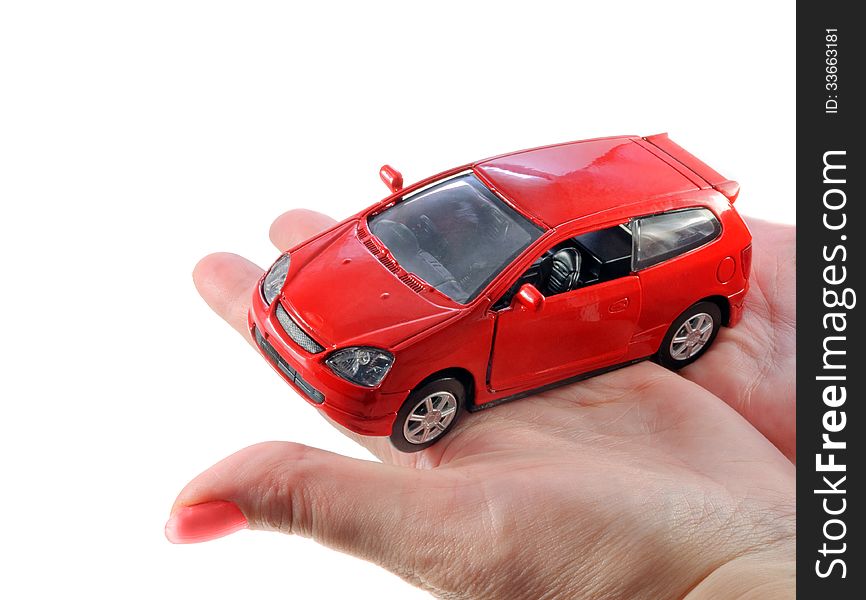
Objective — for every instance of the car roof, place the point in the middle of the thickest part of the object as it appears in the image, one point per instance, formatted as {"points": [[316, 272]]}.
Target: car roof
{"points": [[560, 183]]}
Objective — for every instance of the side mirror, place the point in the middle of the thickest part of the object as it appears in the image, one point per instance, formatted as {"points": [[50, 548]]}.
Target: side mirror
{"points": [[392, 178], [529, 297]]}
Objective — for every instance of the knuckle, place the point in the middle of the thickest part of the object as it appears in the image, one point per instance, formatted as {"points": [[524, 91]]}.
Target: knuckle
{"points": [[282, 501]]}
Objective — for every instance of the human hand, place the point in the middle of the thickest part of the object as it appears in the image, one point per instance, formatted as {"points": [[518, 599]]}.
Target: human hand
{"points": [[637, 483], [751, 366]]}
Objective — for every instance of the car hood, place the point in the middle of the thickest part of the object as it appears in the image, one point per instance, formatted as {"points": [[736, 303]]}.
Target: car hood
{"points": [[342, 295]]}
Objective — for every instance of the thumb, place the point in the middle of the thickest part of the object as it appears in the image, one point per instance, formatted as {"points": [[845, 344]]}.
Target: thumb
{"points": [[360, 507]]}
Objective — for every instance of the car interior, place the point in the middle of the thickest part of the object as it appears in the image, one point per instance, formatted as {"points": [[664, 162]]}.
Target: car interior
{"points": [[580, 261]]}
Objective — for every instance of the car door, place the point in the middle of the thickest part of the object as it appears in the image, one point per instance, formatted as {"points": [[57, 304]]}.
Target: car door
{"points": [[574, 332]]}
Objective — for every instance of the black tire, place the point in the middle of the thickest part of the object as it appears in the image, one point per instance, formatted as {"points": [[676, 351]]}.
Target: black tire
{"points": [[442, 391], [666, 355]]}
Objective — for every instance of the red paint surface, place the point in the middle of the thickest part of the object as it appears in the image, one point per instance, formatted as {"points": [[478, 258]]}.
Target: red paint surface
{"points": [[343, 289], [726, 269]]}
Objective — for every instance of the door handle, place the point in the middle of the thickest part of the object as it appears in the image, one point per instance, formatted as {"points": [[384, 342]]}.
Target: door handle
{"points": [[618, 306]]}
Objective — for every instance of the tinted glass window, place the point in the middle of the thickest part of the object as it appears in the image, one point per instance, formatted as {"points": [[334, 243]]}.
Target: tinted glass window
{"points": [[660, 237], [456, 235]]}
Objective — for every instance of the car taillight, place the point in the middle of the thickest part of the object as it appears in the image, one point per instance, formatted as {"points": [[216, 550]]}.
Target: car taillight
{"points": [[747, 261]]}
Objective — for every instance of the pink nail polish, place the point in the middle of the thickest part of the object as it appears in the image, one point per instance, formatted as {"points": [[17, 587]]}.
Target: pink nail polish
{"points": [[204, 522]]}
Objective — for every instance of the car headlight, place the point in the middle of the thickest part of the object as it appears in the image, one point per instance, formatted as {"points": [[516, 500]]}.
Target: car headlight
{"points": [[275, 278], [362, 365]]}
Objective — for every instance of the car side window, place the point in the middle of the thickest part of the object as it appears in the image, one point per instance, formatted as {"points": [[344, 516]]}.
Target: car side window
{"points": [[658, 238], [577, 262]]}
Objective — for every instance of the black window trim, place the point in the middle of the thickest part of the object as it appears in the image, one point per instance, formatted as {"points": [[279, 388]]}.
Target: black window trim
{"points": [[635, 232]]}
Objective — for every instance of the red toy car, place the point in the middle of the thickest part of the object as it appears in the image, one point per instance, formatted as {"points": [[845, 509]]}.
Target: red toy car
{"points": [[502, 278]]}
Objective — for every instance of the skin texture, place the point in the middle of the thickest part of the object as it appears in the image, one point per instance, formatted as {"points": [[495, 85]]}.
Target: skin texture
{"points": [[751, 366], [640, 483]]}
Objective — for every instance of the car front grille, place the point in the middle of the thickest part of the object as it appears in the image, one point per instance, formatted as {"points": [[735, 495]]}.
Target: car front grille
{"points": [[298, 335], [286, 369]]}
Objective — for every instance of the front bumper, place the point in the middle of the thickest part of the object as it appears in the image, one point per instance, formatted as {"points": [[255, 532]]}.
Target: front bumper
{"points": [[359, 409]]}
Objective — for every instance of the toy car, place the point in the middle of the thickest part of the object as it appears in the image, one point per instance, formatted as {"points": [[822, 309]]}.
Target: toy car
{"points": [[502, 278]]}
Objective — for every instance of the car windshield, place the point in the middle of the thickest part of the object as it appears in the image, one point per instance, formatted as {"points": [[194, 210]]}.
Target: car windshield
{"points": [[456, 235]]}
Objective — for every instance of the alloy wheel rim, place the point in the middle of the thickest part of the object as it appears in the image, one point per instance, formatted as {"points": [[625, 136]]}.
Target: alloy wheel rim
{"points": [[692, 336], [430, 417]]}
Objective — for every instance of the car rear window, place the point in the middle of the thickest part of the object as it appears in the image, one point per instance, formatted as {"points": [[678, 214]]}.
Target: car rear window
{"points": [[660, 237]]}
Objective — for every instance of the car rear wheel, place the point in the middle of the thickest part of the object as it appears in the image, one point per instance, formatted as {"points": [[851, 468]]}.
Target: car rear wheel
{"points": [[428, 414], [690, 335]]}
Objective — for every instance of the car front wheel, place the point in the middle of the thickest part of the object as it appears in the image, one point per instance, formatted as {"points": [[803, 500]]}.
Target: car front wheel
{"points": [[428, 414], [690, 335]]}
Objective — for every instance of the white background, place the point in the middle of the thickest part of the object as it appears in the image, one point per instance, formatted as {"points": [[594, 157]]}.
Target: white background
{"points": [[136, 137]]}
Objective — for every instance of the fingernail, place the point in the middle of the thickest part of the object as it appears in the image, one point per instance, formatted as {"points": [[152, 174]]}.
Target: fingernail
{"points": [[204, 522]]}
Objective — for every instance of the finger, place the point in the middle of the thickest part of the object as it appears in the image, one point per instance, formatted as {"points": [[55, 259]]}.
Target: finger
{"points": [[288, 230], [226, 282], [379, 512], [295, 226]]}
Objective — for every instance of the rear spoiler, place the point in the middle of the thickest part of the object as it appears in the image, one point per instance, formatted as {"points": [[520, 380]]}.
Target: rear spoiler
{"points": [[729, 189]]}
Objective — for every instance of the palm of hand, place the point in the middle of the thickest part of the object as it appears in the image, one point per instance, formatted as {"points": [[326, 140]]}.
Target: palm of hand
{"points": [[556, 488], [602, 469], [751, 366]]}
